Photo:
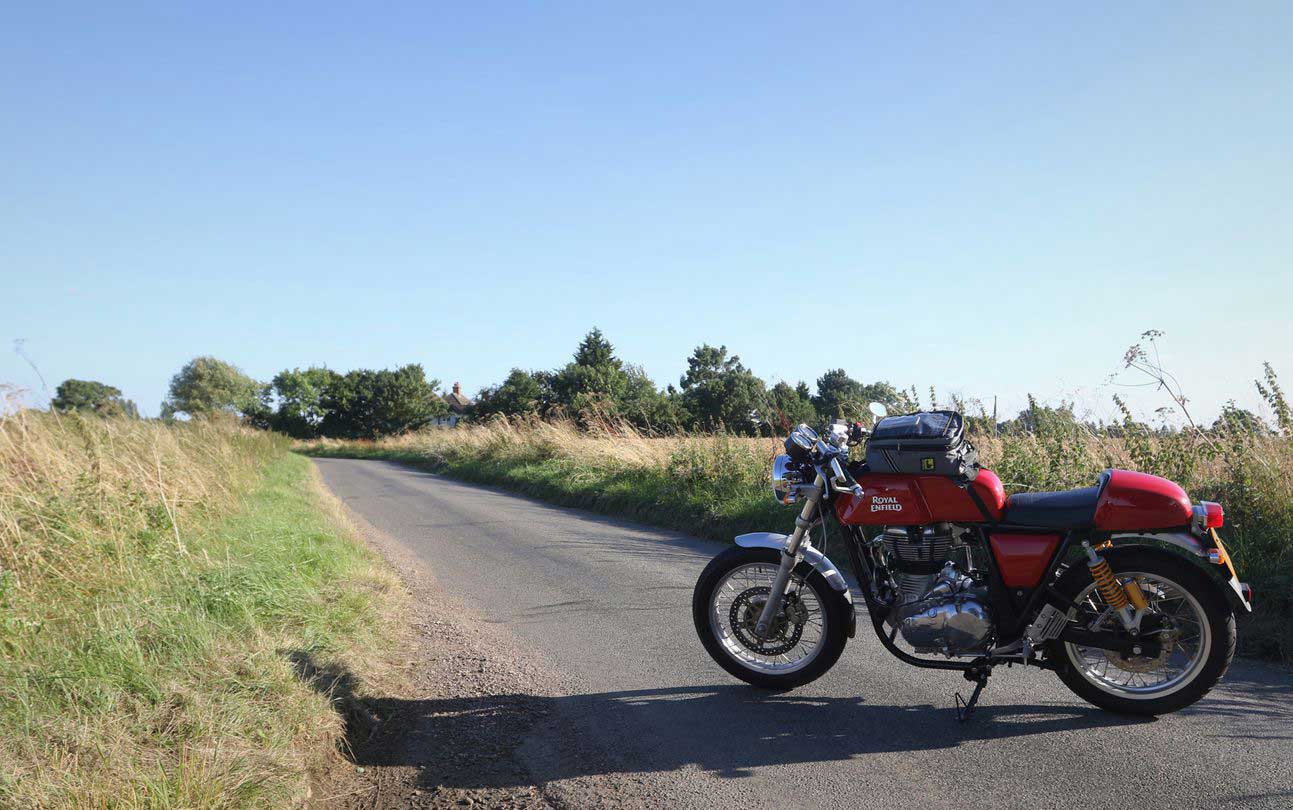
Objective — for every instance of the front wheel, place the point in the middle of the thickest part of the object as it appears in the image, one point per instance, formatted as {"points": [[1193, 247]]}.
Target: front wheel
{"points": [[805, 639], [1188, 615]]}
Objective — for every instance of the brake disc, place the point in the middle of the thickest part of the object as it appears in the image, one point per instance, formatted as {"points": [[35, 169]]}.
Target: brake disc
{"points": [[1143, 663], [784, 632]]}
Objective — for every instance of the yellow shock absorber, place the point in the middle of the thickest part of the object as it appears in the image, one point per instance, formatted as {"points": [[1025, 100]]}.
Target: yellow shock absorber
{"points": [[1114, 595], [1136, 595]]}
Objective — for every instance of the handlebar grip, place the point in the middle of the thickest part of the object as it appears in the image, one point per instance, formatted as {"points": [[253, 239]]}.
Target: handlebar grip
{"points": [[841, 481]]}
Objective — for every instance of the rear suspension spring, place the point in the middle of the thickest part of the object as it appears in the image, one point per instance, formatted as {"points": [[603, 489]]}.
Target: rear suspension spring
{"points": [[1114, 595]]}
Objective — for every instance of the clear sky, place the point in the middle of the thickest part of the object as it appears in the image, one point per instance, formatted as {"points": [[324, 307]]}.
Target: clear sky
{"points": [[994, 199]]}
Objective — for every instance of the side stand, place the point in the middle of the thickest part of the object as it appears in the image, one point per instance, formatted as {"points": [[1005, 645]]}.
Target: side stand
{"points": [[979, 677]]}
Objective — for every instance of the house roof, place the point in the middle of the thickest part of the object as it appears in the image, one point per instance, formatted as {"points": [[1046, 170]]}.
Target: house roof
{"points": [[457, 402]]}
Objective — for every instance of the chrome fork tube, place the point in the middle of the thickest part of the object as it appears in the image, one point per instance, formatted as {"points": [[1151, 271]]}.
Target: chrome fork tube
{"points": [[789, 556]]}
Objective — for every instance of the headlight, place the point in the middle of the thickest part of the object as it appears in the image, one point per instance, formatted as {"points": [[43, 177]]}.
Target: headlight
{"points": [[785, 481]]}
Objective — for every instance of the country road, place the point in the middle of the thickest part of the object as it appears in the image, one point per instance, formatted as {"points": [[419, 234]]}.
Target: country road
{"points": [[606, 603]]}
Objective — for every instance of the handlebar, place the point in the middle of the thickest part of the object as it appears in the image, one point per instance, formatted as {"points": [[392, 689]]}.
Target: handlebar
{"points": [[841, 481]]}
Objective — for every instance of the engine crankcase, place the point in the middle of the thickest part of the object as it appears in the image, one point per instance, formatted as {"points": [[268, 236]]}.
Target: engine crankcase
{"points": [[952, 625]]}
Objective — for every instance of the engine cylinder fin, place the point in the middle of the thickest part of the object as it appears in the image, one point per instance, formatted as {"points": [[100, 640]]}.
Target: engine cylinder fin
{"points": [[918, 549]]}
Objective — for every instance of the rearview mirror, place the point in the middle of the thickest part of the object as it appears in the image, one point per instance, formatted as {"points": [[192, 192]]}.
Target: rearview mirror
{"points": [[877, 410]]}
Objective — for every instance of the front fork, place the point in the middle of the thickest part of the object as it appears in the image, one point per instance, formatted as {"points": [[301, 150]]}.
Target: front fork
{"points": [[789, 556]]}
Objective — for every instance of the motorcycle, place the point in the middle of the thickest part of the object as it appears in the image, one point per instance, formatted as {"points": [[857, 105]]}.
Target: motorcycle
{"points": [[1123, 589]]}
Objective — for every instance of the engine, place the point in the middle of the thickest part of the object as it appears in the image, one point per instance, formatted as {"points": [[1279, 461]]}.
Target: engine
{"points": [[937, 608]]}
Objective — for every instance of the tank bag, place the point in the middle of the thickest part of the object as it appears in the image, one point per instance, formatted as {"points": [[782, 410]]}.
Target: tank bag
{"points": [[928, 443]]}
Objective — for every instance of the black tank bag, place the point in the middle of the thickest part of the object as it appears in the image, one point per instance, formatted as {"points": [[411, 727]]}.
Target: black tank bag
{"points": [[928, 442]]}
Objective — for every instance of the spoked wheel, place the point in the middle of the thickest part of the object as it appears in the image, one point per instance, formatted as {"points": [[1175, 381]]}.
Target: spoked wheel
{"points": [[1188, 616], [806, 637]]}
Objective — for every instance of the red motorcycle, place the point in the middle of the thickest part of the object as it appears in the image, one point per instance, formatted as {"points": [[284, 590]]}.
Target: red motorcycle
{"points": [[1123, 589]]}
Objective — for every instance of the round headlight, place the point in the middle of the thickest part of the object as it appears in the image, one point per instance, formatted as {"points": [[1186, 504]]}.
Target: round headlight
{"points": [[784, 480]]}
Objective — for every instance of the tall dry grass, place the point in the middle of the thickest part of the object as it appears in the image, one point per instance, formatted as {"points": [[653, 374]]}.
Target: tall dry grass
{"points": [[155, 583]]}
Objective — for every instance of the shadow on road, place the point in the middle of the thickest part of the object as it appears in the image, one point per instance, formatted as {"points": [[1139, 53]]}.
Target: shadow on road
{"points": [[726, 730]]}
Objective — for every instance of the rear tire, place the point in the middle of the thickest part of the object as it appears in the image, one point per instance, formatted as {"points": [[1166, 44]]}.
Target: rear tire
{"points": [[1217, 635], [836, 612]]}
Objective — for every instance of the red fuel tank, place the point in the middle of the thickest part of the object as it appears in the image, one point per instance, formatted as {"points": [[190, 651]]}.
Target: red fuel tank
{"points": [[1132, 500], [914, 500]]}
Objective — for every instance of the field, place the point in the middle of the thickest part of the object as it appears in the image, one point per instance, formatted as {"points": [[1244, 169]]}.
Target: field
{"points": [[162, 589], [717, 486]]}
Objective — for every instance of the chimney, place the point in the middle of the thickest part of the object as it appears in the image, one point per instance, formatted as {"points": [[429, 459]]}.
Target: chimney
{"points": [[457, 389]]}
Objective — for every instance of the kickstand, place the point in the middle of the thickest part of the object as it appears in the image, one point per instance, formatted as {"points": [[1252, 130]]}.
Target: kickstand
{"points": [[964, 708]]}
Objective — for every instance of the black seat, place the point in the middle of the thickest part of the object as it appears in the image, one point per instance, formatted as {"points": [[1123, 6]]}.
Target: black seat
{"points": [[1070, 509]]}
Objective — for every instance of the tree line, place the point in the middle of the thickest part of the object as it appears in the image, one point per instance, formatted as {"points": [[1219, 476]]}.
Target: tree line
{"points": [[303, 403], [716, 392]]}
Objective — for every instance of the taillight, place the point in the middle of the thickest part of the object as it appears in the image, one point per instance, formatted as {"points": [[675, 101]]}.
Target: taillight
{"points": [[1207, 516], [1216, 516]]}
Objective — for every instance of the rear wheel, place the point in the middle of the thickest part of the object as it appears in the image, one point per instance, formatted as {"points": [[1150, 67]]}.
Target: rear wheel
{"points": [[1188, 615], [804, 641]]}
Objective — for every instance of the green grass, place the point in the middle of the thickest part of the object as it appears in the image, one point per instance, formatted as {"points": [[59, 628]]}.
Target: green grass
{"points": [[150, 662]]}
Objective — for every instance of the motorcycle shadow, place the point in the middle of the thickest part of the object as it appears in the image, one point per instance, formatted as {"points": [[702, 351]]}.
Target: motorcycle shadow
{"points": [[510, 740], [730, 730]]}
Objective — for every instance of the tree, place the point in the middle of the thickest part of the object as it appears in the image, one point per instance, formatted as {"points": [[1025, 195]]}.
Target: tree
{"points": [[299, 395], [91, 396], [791, 406], [595, 382], [366, 404], [523, 392], [645, 406], [889, 396], [839, 396], [207, 385], [719, 392]]}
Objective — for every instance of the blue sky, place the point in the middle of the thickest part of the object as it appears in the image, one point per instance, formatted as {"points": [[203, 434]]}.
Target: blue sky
{"points": [[992, 200]]}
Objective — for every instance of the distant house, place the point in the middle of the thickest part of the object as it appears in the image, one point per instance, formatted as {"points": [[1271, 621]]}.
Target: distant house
{"points": [[458, 405]]}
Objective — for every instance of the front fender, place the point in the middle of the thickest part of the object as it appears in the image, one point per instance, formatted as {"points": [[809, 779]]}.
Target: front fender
{"points": [[813, 557], [1195, 548], [810, 555]]}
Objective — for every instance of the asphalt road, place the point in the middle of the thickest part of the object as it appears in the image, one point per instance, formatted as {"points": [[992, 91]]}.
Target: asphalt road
{"points": [[607, 604]]}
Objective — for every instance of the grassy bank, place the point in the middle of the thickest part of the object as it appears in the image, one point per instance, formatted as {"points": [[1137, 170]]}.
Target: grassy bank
{"points": [[159, 586], [716, 486]]}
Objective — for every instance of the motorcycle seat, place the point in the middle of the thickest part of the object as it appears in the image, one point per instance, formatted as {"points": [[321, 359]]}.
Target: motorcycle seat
{"points": [[1069, 509]]}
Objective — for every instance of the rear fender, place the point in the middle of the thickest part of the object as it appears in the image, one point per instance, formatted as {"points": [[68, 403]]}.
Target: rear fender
{"points": [[1197, 550]]}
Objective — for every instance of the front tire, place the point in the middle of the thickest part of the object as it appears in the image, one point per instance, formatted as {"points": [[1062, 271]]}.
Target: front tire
{"points": [[1202, 629], [726, 600]]}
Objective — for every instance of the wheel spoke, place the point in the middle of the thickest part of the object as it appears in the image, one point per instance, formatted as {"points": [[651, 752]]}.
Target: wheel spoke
{"points": [[796, 637], [1181, 629]]}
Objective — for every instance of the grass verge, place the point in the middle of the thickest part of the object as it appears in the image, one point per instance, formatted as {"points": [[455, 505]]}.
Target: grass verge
{"points": [[160, 588]]}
